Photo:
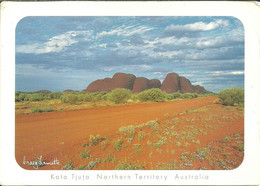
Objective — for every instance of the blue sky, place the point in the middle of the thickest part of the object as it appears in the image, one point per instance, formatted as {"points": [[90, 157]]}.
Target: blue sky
{"points": [[58, 53]]}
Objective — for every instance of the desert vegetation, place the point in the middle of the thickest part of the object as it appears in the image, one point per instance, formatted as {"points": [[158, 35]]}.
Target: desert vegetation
{"points": [[35, 102], [231, 97]]}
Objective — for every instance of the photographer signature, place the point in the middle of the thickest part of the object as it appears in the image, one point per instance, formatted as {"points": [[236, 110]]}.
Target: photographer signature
{"points": [[39, 163]]}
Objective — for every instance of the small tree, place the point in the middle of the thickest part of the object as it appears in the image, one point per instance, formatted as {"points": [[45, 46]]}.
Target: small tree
{"points": [[119, 95], [233, 96]]}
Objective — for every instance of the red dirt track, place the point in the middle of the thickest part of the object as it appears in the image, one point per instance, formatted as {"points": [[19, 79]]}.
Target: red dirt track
{"points": [[56, 134]]}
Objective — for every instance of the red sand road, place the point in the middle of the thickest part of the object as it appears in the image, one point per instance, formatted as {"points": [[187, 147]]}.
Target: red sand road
{"points": [[54, 134]]}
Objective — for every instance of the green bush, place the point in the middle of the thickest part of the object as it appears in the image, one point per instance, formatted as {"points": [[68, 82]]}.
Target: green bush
{"points": [[20, 97], [134, 97], [154, 94], [231, 97], [37, 110], [56, 95], [36, 97], [88, 97], [119, 95], [69, 98], [189, 95], [98, 97], [173, 96], [31, 96]]}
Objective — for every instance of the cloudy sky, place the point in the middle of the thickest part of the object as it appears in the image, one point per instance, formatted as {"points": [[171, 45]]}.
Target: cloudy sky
{"points": [[58, 53]]}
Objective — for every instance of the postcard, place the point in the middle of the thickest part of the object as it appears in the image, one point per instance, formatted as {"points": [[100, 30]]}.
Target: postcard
{"points": [[130, 93]]}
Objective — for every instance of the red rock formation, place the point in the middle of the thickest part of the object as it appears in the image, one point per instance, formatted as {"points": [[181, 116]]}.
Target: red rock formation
{"points": [[100, 85], [141, 84], [155, 83], [171, 83], [199, 89], [185, 85], [68, 90], [43, 91], [121, 80]]}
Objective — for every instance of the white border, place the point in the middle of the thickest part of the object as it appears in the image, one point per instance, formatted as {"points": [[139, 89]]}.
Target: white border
{"points": [[247, 12]]}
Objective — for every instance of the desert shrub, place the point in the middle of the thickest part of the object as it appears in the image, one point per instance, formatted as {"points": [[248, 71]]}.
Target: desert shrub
{"points": [[80, 97], [17, 93], [128, 131], [167, 166], [105, 97], [94, 96], [29, 96], [20, 97], [134, 97], [189, 95], [69, 98], [86, 154], [94, 140], [154, 94], [55, 95], [98, 97], [240, 147], [153, 125], [130, 166], [88, 97], [141, 136], [231, 97], [68, 166], [119, 95], [92, 164], [194, 95], [203, 153], [160, 142], [104, 144], [169, 97], [45, 109], [118, 144], [36, 96], [175, 95]]}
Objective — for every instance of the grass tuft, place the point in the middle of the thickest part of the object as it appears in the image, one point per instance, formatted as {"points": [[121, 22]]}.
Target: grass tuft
{"points": [[68, 166], [130, 166], [118, 144]]}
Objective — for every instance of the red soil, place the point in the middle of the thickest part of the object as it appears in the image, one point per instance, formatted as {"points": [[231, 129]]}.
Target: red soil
{"points": [[61, 134]]}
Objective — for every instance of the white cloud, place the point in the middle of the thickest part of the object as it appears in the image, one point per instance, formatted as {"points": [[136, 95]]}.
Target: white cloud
{"points": [[125, 31], [55, 44], [198, 26], [198, 83], [160, 73], [167, 41], [220, 73], [237, 73], [218, 41], [103, 45]]}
